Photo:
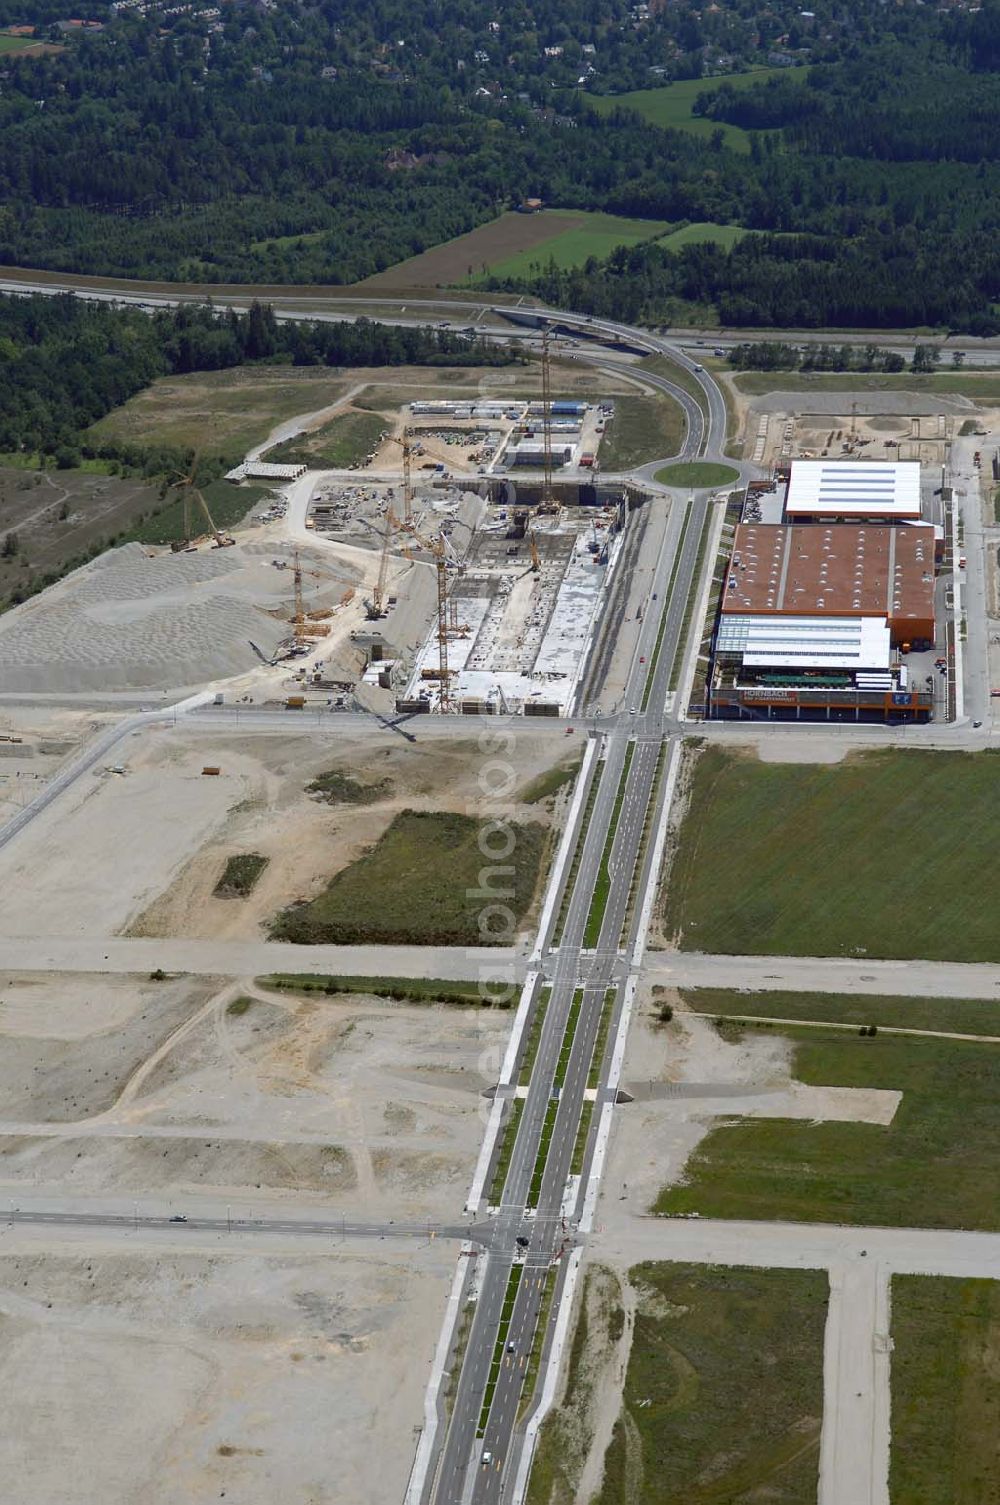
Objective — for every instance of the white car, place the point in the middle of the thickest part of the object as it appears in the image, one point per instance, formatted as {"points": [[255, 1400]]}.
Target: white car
{"points": [[487, 1458]]}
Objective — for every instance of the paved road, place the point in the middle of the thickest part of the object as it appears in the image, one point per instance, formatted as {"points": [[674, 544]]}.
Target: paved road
{"points": [[127, 954], [17, 1214], [120, 955], [480, 1458], [824, 974]]}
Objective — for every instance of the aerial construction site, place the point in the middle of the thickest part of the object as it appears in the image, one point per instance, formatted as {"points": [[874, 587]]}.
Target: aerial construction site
{"points": [[462, 566]]}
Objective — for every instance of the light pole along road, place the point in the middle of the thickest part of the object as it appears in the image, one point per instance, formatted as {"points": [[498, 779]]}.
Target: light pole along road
{"points": [[584, 974]]}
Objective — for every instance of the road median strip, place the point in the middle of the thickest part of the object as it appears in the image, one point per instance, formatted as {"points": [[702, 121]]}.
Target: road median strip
{"points": [[506, 1312], [602, 884]]}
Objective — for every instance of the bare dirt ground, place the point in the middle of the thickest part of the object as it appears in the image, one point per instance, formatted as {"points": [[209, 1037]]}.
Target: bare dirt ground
{"points": [[683, 1076], [165, 1377], [130, 1087], [144, 850]]}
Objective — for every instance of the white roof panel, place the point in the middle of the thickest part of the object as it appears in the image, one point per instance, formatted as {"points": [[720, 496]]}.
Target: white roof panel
{"points": [[853, 488], [806, 642]]}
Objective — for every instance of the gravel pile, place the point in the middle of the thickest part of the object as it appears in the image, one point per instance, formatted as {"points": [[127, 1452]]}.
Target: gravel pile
{"points": [[131, 621]]}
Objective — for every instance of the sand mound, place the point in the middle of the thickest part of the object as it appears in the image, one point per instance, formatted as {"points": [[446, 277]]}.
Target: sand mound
{"points": [[134, 621]]}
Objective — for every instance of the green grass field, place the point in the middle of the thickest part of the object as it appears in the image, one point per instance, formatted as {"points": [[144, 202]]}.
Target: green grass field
{"points": [[936, 1165], [711, 1421], [26, 44], [697, 474], [725, 236], [545, 786], [572, 247], [885, 854], [228, 505], [417, 885], [345, 441], [643, 429], [670, 106], [240, 875], [966, 1016], [945, 1391], [219, 412]]}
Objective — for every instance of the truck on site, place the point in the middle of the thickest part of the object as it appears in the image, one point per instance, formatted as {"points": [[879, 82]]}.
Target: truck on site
{"points": [[295, 702]]}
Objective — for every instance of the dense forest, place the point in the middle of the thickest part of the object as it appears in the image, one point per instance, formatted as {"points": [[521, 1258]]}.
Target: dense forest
{"points": [[324, 143], [65, 362]]}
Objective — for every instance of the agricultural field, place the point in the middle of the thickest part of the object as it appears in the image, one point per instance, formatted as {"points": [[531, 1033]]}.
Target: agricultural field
{"points": [[935, 1164], [945, 1391], [510, 245], [671, 105], [704, 232], [708, 1421], [414, 887], [643, 429], [746, 877], [224, 413], [587, 234]]}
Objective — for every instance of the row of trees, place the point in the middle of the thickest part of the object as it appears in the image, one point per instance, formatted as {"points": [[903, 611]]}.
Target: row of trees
{"points": [[65, 362]]}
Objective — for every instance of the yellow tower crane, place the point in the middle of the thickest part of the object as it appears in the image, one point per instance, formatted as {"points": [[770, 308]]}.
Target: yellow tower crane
{"points": [[305, 626], [376, 606], [548, 502], [447, 619]]}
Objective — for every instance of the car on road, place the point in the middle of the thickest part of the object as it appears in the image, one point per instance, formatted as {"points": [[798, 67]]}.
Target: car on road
{"points": [[511, 1348], [977, 723], [633, 710], [961, 562], [642, 658], [178, 1217], [487, 1458]]}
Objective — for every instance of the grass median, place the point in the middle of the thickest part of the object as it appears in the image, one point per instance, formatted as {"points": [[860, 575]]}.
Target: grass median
{"points": [[935, 1165], [400, 989], [885, 854], [602, 884]]}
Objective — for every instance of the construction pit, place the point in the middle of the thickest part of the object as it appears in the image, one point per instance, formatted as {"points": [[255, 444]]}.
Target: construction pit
{"points": [[525, 584], [869, 431]]}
